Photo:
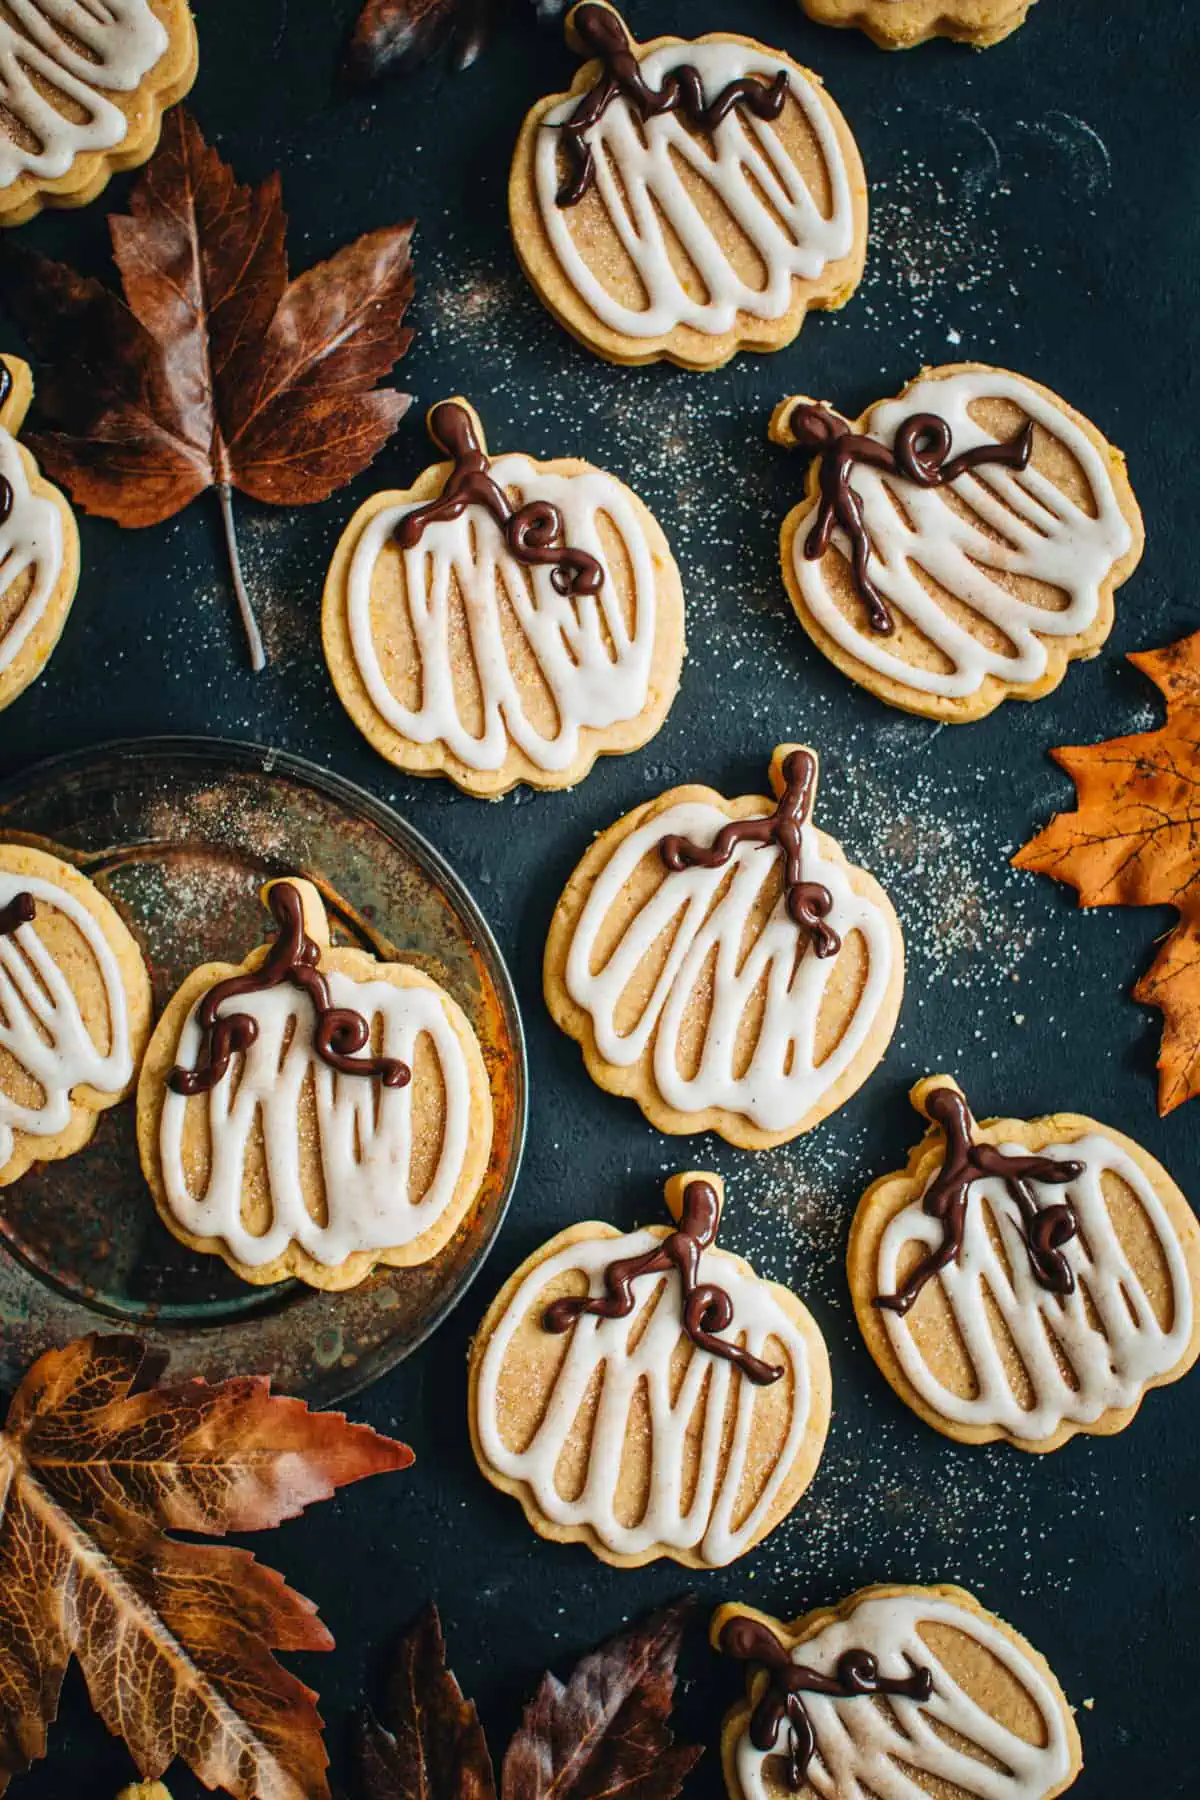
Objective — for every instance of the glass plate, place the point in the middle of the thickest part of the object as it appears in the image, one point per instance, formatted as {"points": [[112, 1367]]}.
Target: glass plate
{"points": [[180, 833]]}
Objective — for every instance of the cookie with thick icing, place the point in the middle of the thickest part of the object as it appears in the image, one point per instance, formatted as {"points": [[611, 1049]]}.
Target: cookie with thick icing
{"points": [[74, 1009], [39, 546], [503, 620], [959, 544], [722, 964], [1025, 1279], [312, 1111], [647, 1394], [686, 199], [85, 88], [901, 24], [898, 1693]]}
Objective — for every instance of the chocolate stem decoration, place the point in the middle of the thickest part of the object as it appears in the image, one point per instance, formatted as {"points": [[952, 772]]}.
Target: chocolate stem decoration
{"points": [[533, 533], [856, 1673], [340, 1031], [707, 1309], [808, 902], [603, 35], [1045, 1229], [20, 910], [920, 453]]}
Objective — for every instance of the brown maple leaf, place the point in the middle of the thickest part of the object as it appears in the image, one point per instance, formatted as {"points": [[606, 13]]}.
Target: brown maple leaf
{"points": [[436, 1749], [604, 1733], [1134, 840], [175, 1640], [393, 37], [215, 370]]}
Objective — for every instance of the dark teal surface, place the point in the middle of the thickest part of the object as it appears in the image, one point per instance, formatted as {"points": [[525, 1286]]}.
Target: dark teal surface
{"points": [[1036, 206]]}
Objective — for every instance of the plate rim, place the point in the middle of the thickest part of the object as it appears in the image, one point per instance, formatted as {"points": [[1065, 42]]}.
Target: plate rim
{"points": [[340, 788]]}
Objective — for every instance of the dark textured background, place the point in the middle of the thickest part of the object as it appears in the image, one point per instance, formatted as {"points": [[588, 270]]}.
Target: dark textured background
{"points": [[1036, 206]]}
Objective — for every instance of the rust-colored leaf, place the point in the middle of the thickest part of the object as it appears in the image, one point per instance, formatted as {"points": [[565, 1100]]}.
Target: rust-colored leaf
{"points": [[1134, 840], [432, 1746], [215, 370], [394, 37], [175, 1640], [604, 1734]]}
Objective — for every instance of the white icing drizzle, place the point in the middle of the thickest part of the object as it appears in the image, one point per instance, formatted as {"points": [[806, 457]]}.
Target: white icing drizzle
{"points": [[364, 1130], [30, 538], [782, 1082], [1045, 537], [41, 1025], [596, 670], [1112, 1360], [708, 1526], [640, 187], [861, 1747], [120, 42]]}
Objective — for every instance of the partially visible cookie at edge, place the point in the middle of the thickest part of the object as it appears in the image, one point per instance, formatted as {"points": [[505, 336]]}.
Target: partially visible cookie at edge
{"points": [[903, 24]]}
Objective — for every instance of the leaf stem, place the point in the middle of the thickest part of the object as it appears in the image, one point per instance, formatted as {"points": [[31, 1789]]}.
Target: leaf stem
{"points": [[258, 656]]}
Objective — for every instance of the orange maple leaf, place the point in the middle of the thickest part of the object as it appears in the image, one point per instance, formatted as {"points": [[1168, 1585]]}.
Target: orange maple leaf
{"points": [[1134, 840]]}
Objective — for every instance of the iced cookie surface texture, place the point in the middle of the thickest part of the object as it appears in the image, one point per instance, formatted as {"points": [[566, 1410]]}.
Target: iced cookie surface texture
{"points": [[39, 547], [899, 1693], [85, 86], [722, 964], [312, 1111], [647, 1394], [958, 544], [687, 199], [1025, 1280], [74, 1009], [900, 24], [503, 620]]}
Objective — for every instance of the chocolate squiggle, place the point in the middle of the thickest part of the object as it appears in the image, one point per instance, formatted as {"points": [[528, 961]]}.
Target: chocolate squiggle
{"points": [[339, 1034], [603, 34], [856, 1674], [533, 532], [808, 902], [707, 1308], [20, 910], [6, 490], [1045, 1229], [920, 453]]}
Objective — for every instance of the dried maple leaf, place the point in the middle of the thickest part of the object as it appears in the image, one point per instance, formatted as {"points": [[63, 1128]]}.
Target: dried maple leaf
{"points": [[604, 1733], [1134, 840], [393, 37], [435, 1749], [216, 370], [175, 1640]]}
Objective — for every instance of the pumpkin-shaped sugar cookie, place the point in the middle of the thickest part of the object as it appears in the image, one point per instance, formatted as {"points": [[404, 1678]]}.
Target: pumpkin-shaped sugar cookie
{"points": [[959, 544], [647, 1394], [722, 964], [39, 546], [312, 1111], [503, 620], [85, 84], [686, 199], [1025, 1280], [901, 24], [74, 1008], [899, 1693]]}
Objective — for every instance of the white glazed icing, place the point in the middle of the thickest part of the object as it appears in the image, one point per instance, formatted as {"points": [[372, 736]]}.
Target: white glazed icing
{"points": [[771, 1094], [123, 40], [30, 538], [708, 1525], [596, 670], [1112, 1364], [1047, 537], [365, 1130], [41, 1025], [636, 181], [861, 1747]]}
